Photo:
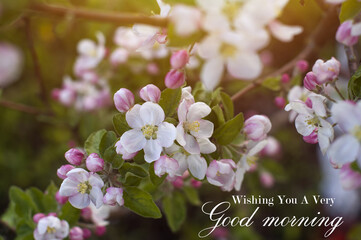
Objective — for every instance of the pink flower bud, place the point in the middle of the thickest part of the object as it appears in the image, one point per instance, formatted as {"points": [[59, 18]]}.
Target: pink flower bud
{"points": [[53, 214], [302, 66], [257, 127], [350, 179], [100, 230], [196, 183], [74, 156], [63, 170], [55, 93], [123, 100], [267, 180], [94, 163], [60, 199], [310, 81], [113, 196], [280, 102], [150, 93], [343, 34], [38, 216], [76, 233], [120, 150], [174, 79], [86, 213], [312, 138], [152, 68], [221, 173], [91, 77], [326, 71], [272, 149], [178, 182], [165, 165], [179, 59], [285, 78], [308, 102], [86, 233]]}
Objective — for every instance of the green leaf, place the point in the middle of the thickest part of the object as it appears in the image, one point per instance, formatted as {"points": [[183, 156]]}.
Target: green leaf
{"points": [[186, 2], [108, 140], [154, 178], [227, 105], [140, 202], [139, 158], [354, 85], [169, 100], [93, 142], [117, 162], [136, 170], [354, 233], [131, 179], [192, 195], [349, 9], [273, 83], [25, 229], [354, 166], [120, 124], [37, 197], [226, 133], [24, 206], [175, 210], [275, 169], [69, 213], [49, 201], [219, 113]]}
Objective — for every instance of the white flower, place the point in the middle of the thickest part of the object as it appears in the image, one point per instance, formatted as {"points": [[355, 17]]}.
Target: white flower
{"points": [[192, 127], [196, 164], [187, 20], [149, 131], [312, 119], [165, 165], [82, 188], [90, 54], [346, 148], [11, 61], [284, 32], [257, 127], [51, 228], [297, 93], [221, 173]]}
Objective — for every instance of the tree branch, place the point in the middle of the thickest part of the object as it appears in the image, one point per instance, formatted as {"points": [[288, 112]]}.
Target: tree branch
{"points": [[20, 107], [96, 15], [317, 39]]}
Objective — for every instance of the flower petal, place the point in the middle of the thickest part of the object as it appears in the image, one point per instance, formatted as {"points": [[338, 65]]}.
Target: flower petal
{"points": [[133, 117], [211, 73], [302, 126], [68, 188], [205, 129], [192, 145], [166, 134], [182, 111], [152, 150], [206, 146], [245, 65], [198, 111], [284, 32], [133, 140], [197, 166], [343, 150], [80, 200], [151, 113], [96, 196], [181, 135]]}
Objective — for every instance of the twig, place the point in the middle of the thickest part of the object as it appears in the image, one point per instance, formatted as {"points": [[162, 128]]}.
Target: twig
{"points": [[315, 41], [20, 107], [96, 15], [34, 56], [352, 59], [339, 92]]}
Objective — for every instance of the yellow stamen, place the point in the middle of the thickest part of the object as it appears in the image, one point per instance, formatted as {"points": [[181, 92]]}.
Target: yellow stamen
{"points": [[50, 230], [150, 131], [193, 126], [228, 50], [84, 187]]}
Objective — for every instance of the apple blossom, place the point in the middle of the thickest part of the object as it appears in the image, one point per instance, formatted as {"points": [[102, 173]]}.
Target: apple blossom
{"points": [[63, 170], [257, 127], [196, 164], [74, 156], [60, 199], [82, 188], [310, 81], [356, 29], [120, 150], [11, 61], [312, 119], [350, 179], [174, 78], [119, 56], [76, 233], [51, 228], [302, 66], [150, 93], [346, 148], [179, 59], [221, 173], [123, 100], [187, 20], [267, 179], [273, 147], [178, 182], [113, 196], [280, 102], [149, 131], [153, 68], [100, 215], [94, 163], [100, 230], [343, 34], [126, 38], [192, 127], [297, 93], [195, 183], [86, 233], [38, 216], [165, 165], [285, 78], [312, 138], [326, 71], [284, 32]]}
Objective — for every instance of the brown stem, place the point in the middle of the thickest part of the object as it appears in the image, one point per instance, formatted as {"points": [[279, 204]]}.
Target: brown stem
{"points": [[317, 39], [352, 59], [35, 59], [20, 107], [96, 15]]}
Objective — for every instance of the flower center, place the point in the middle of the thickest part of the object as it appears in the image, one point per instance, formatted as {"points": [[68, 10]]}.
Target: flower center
{"points": [[228, 50], [84, 187], [231, 9], [357, 132], [313, 121], [218, 174], [150, 131], [50, 230], [251, 160], [191, 126]]}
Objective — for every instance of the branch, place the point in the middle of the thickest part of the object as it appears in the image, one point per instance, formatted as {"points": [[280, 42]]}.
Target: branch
{"points": [[20, 107], [95, 15], [317, 39], [34, 56]]}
